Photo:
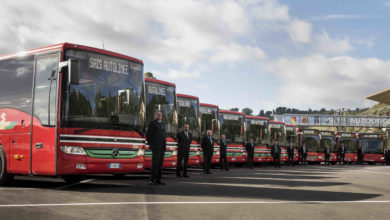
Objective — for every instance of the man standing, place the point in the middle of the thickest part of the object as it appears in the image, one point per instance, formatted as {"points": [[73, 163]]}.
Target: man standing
{"points": [[342, 153], [304, 154], [222, 154], [387, 156], [184, 139], [327, 155], [156, 137], [250, 149], [290, 152], [360, 155], [208, 150], [275, 151]]}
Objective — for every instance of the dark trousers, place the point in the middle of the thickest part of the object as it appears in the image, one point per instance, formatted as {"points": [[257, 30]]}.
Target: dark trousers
{"points": [[157, 163], [360, 159], [250, 160], [303, 158], [277, 160], [223, 164], [342, 158], [291, 159], [327, 157], [182, 161], [207, 162]]}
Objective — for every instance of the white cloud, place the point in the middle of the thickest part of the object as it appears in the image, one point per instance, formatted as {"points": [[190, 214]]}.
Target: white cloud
{"points": [[176, 74], [338, 16], [387, 3], [236, 53], [299, 31], [330, 82], [270, 10], [327, 45]]}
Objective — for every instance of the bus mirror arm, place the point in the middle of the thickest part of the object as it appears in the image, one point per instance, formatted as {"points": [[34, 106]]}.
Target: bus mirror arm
{"points": [[73, 70]]}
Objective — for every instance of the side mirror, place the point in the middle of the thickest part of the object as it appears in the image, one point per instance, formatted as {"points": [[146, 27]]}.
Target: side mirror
{"points": [[73, 66]]}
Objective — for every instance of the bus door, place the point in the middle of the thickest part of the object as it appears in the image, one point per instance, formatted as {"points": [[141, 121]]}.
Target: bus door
{"points": [[43, 145]]}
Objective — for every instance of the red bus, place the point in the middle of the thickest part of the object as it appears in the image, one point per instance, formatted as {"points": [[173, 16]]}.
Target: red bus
{"points": [[232, 126], [188, 113], [312, 139], [276, 133], [210, 121], [373, 145], [161, 96], [69, 110], [350, 141], [328, 139], [292, 136], [257, 128]]}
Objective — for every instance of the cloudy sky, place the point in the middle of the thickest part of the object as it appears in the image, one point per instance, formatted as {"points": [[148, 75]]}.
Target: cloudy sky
{"points": [[256, 53]]}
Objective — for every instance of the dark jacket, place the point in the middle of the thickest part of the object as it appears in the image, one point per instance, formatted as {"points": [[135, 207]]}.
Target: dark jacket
{"points": [[290, 151], [249, 148], [207, 147], [340, 150], [326, 153], [156, 135], [183, 142], [273, 150], [222, 147], [360, 152]]}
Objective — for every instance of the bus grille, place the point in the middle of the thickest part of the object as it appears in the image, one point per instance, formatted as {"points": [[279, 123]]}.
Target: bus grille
{"points": [[106, 153]]}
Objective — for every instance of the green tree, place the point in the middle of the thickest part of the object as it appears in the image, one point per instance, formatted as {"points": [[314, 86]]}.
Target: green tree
{"points": [[247, 111], [149, 75], [234, 109]]}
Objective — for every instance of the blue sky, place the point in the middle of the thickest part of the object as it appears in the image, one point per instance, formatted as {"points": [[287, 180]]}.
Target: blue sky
{"points": [[256, 53]]}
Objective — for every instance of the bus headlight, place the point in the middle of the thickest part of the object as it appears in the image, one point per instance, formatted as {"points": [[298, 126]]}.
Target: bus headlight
{"points": [[382, 158], [73, 150], [174, 152], [217, 152], [141, 152], [244, 153], [197, 153]]}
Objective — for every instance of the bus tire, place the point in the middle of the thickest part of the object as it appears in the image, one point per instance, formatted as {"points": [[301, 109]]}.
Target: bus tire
{"points": [[5, 178], [72, 178]]}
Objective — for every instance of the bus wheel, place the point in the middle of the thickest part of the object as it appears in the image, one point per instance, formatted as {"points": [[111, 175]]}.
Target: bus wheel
{"points": [[72, 178], [5, 178]]}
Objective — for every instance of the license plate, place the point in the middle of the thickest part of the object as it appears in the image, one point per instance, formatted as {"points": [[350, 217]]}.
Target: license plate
{"points": [[114, 165], [233, 158]]}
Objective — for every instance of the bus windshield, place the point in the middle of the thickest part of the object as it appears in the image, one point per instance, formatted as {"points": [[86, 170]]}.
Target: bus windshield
{"points": [[371, 146], [210, 120], [160, 97], [276, 130], [328, 142], [188, 113], [349, 145], [231, 126], [257, 129], [291, 136], [109, 94], [311, 143]]}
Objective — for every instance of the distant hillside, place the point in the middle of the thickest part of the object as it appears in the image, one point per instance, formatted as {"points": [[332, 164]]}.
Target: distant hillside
{"points": [[378, 110]]}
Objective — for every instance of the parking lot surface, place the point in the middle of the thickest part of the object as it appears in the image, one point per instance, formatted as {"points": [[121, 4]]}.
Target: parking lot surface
{"points": [[299, 192]]}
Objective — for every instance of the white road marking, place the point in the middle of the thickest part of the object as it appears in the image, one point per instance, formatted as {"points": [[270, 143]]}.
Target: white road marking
{"points": [[374, 172], [194, 203], [74, 184]]}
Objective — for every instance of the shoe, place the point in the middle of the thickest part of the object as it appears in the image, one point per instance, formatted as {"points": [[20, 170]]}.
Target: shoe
{"points": [[160, 183], [186, 176], [152, 183], [208, 172], [178, 175], [226, 169], [279, 167]]}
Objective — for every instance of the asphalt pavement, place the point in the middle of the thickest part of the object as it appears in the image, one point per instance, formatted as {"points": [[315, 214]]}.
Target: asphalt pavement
{"points": [[299, 192]]}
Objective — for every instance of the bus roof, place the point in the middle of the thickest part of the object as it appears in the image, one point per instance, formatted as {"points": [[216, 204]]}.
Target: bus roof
{"points": [[257, 117], [231, 112], [276, 122], [209, 105], [159, 82], [65, 45], [187, 96]]}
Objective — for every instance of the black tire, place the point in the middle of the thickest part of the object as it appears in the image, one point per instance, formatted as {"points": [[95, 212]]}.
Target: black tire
{"points": [[72, 178], [5, 178]]}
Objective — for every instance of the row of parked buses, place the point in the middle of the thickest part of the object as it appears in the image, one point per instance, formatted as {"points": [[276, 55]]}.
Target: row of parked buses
{"points": [[69, 110]]}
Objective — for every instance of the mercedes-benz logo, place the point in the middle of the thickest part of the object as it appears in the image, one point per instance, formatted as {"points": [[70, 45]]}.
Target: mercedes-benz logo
{"points": [[115, 152]]}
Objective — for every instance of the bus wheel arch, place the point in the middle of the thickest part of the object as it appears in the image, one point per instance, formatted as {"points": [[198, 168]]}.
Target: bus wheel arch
{"points": [[5, 178]]}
